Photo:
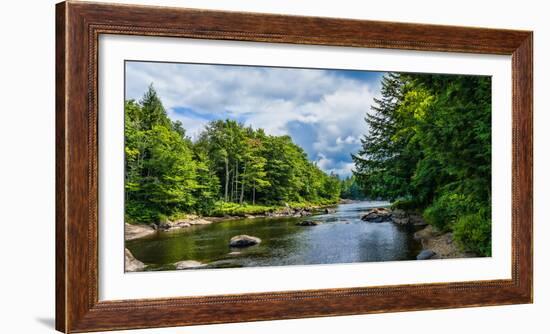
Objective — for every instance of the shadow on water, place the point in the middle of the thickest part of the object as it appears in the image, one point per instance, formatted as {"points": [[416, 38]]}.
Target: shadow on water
{"points": [[341, 238]]}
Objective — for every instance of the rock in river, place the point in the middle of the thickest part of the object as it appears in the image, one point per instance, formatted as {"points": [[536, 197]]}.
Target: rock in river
{"points": [[377, 215], [244, 240], [131, 263], [136, 231], [425, 254], [308, 223], [189, 264]]}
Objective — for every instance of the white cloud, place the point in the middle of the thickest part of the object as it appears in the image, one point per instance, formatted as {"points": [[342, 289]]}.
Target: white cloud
{"points": [[329, 104], [347, 140]]}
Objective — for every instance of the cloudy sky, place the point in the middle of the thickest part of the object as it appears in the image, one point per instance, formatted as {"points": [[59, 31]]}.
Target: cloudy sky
{"points": [[322, 110]]}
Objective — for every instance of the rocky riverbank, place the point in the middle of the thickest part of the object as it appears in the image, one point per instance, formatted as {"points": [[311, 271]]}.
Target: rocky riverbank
{"points": [[136, 231], [397, 216], [131, 263], [438, 245], [435, 244]]}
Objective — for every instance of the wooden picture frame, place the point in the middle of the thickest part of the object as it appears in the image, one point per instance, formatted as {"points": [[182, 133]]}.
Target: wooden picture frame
{"points": [[78, 26]]}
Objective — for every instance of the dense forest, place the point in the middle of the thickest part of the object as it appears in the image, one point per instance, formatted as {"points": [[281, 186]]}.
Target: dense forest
{"points": [[429, 149], [229, 168]]}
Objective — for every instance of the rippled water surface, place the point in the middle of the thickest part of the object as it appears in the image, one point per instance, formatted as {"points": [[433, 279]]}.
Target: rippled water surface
{"points": [[341, 238]]}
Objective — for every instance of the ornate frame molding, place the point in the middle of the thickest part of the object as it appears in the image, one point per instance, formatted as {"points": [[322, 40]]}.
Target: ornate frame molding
{"points": [[78, 27]]}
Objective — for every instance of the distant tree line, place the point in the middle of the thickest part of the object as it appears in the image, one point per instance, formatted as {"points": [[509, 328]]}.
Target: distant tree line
{"points": [[168, 174], [429, 149], [351, 189]]}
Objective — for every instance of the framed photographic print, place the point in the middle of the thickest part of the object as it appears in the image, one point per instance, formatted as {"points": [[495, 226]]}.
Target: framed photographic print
{"points": [[222, 166]]}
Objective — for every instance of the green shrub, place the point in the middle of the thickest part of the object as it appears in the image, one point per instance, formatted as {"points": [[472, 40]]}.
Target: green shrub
{"points": [[141, 214], [473, 233], [405, 204], [445, 210], [235, 209], [163, 218]]}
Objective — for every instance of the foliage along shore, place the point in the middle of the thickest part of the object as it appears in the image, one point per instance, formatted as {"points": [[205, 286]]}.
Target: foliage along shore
{"points": [[224, 212]]}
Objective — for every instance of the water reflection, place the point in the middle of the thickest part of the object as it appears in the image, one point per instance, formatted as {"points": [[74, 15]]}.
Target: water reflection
{"points": [[341, 238]]}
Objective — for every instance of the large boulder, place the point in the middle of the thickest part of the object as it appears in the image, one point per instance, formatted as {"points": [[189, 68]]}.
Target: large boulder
{"points": [[416, 219], [188, 264], [136, 231], [429, 232], [401, 221], [244, 240], [402, 217], [131, 263], [377, 215], [308, 223]]}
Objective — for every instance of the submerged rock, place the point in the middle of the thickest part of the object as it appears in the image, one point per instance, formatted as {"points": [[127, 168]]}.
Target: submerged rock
{"points": [[189, 264], [131, 263], [308, 223], [425, 254], [244, 240]]}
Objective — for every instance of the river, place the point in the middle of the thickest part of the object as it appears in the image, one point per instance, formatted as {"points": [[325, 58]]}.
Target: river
{"points": [[341, 238]]}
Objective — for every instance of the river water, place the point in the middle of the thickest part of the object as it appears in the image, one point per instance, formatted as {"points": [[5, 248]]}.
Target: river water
{"points": [[341, 238]]}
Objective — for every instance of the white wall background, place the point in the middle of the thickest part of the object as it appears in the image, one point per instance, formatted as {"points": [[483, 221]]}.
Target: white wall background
{"points": [[27, 71]]}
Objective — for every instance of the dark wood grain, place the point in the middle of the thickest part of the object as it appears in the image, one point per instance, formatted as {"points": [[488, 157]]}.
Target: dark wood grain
{"points": [[78, 27], [60, 135]]}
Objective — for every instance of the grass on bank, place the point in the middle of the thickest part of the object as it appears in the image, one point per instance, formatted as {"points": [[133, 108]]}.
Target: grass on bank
{"points": [[235, 209], [222, 209]]}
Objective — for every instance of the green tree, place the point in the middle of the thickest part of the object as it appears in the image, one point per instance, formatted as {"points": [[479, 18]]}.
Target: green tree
{"points": [[384, 165], [208, 184], [160, 171], [254, 174], [350, 188], [430, 144]]}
